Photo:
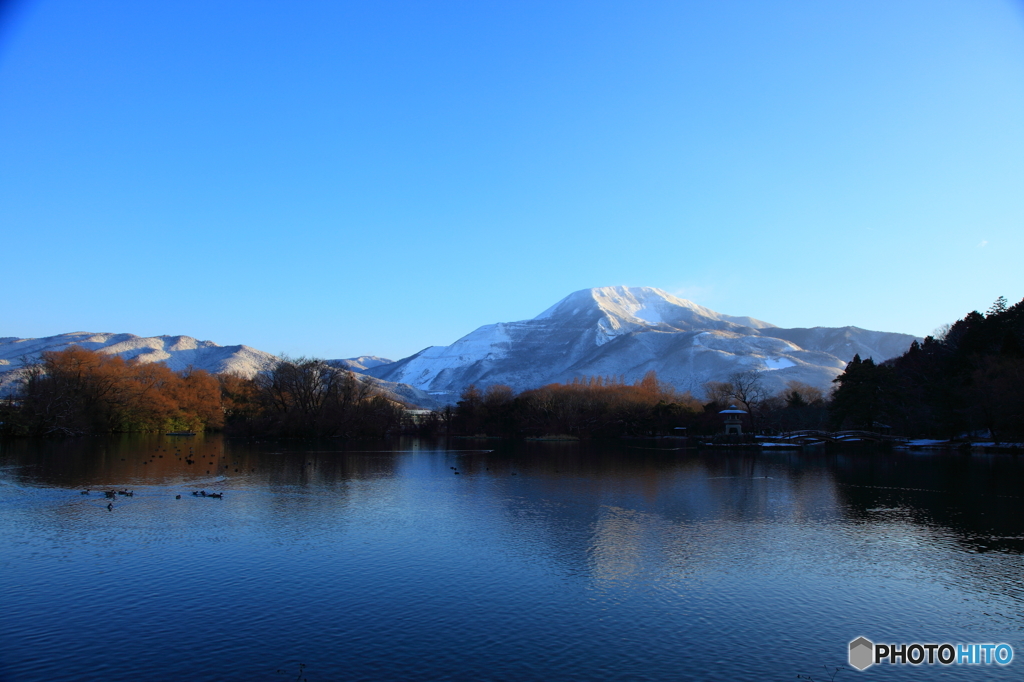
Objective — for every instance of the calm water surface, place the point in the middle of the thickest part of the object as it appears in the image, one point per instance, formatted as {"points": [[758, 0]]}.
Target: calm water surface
{"points": [[550, 561]]}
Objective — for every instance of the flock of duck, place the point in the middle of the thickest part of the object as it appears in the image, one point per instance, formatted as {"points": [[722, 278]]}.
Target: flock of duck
{"points": [[457, 472], [189, 459], [111, 494]]}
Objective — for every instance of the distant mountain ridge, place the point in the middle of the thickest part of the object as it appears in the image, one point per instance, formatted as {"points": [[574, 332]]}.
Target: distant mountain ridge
{"points": [[180, 353], [177, 352], [608, 331], [363, 362], [628, 331]]}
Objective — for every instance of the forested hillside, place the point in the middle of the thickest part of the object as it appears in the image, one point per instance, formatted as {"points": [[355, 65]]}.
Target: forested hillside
{"points": [[968, 379]]}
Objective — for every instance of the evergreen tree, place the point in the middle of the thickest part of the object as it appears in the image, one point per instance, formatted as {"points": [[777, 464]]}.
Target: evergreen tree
{"points": [[859, 399], [998, 307]]}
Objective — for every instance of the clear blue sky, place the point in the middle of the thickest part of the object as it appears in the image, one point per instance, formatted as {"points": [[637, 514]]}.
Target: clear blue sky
{"points": [[345, 178]]}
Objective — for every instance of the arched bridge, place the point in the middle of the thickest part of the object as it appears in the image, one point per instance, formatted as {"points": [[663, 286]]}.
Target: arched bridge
{"points": [[811, 436]]}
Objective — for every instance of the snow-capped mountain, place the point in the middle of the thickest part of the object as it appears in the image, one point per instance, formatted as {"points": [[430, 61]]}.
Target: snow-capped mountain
{"points": [[628, 331]]}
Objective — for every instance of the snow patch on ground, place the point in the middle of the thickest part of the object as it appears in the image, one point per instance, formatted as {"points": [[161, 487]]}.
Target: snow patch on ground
{"points": [[777, 363], [648, 315]]}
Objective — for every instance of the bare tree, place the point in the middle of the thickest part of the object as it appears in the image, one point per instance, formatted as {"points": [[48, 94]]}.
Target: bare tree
{"points": [[798, 393], [310, 397], [743, 389], [749, 390], [720, 392]]}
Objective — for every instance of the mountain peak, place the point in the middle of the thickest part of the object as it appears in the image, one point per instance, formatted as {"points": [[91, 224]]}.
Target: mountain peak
{"points": [[643, 307], [620, 300]]}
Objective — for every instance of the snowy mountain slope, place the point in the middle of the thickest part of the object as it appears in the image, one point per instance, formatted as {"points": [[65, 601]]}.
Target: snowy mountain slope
{"points": [[403, 393], [845, 342], [363, 362], [627, 331], [178, 353]]}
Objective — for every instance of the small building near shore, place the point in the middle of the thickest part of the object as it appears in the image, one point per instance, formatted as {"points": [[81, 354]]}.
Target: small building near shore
{"points": [[733, 418], [418, 417]]}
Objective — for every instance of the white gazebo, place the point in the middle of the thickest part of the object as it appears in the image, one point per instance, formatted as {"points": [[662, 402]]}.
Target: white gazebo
{"points": [[733, 418]]}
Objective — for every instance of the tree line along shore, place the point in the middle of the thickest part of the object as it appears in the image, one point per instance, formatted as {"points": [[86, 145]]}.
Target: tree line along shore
{"points": [[966, 380]]}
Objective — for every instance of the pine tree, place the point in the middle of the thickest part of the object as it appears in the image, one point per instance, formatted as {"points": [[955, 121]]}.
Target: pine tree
{"points": [[998, 307]]}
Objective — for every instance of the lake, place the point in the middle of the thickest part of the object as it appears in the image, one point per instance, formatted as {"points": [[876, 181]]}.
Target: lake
{"points": [[536, 561]]}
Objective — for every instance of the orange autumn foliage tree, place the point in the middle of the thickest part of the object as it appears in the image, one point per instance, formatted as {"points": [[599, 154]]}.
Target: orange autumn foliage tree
{"points": [[78, 391], [600, 406], [239, 398], [584, 407]]}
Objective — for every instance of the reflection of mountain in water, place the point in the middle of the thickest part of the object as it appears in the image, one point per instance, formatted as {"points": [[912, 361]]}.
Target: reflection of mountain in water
{"points": [[683, 512], [618, 517]]}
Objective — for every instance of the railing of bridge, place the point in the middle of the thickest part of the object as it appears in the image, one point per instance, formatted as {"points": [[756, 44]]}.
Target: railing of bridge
{"points": [[815, 435]]}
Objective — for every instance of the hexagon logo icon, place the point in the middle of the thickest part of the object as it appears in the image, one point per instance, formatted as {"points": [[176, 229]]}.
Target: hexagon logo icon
{"points": [[862, 653]]}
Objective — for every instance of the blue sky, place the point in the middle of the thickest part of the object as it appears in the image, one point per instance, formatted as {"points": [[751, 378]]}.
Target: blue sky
{"points": [[345, 178]]}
